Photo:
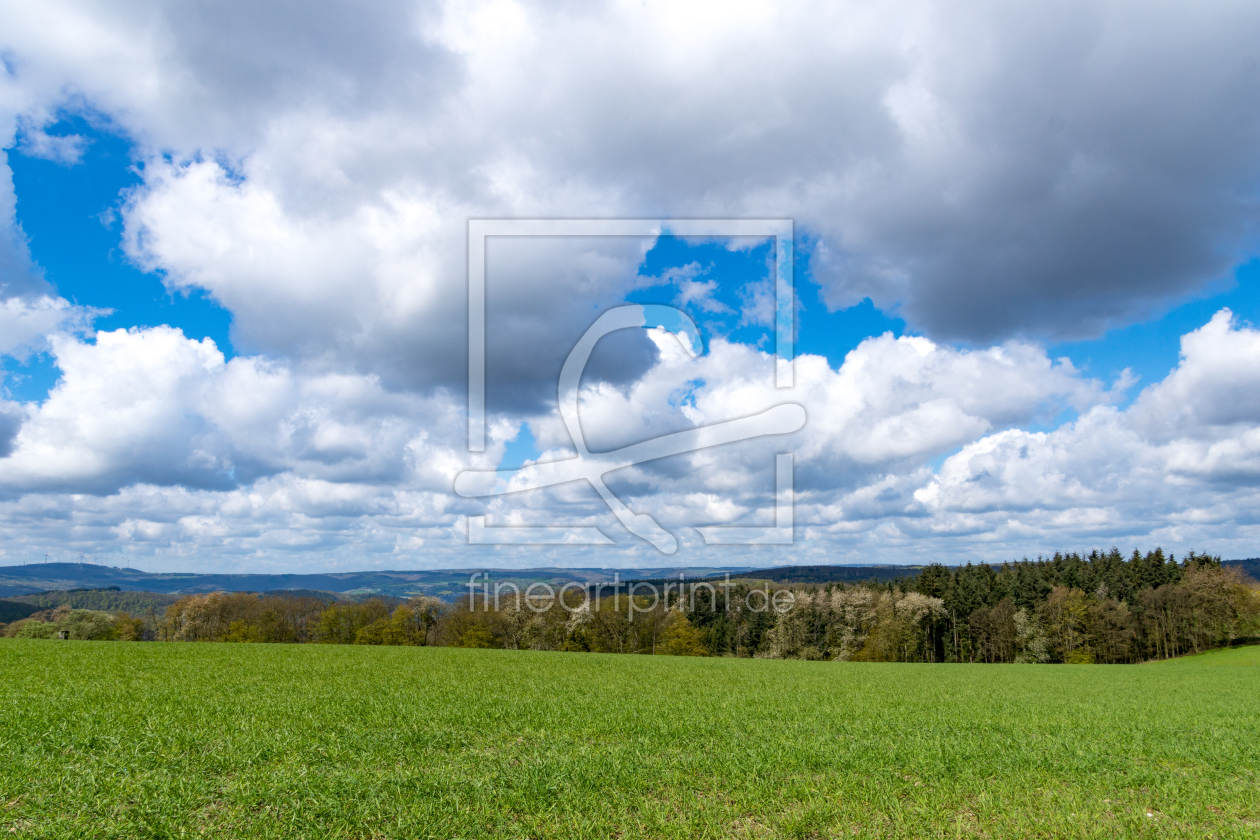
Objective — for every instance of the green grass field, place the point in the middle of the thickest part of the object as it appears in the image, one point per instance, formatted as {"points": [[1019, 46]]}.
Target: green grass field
{"points": [[108, 739]]}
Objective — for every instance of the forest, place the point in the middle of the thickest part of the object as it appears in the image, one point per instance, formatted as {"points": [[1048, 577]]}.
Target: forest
{"points": [[1073, 608]]}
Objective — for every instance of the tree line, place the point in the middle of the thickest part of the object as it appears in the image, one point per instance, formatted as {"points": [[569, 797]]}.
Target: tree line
{"points": [[1100, 607]]}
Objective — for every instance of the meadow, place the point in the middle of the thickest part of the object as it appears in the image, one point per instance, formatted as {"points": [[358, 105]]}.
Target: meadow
{"points": [[245, 740]]}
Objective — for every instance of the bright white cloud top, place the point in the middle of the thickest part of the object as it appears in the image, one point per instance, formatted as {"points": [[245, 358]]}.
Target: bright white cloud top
{"points": [[1002, 178]]}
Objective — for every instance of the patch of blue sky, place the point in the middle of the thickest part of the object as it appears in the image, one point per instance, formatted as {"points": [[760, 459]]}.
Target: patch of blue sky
{"points": [[834, 334], [720, 287], [1152, 348], [1049, 423], [686, 394], [70, 215], [29, 379], [675, 321], [937, 461], [520, 449], [727, 286]]}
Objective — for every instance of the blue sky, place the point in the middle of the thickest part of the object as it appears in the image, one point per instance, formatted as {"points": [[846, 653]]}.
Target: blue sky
{"points": [[302, 199], [70, 215], [1150, 348]]}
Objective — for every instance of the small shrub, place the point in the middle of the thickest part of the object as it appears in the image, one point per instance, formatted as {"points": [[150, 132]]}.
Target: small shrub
{"points": [[33, 628], [681, 639], [476, 637]]}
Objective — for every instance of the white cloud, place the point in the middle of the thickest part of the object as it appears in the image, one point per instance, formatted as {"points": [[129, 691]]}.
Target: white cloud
{"points": [[25, 323], [700, 294], [1213, 391], [66, 150], [152, 406], [153, 443], [1181, 463], [891, 407], [985, 172]]}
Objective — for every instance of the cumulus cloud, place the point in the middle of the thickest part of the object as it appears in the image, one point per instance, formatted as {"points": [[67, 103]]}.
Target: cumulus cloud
{"points": [[25, 323], [1213, 389], [893, 405], [151, 406], [66, 150], [19, 277], [1181, 462], [985, 172], [382, 289], [180, 452]]}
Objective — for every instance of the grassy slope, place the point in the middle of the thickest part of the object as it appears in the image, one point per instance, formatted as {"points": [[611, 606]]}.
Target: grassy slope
{"points": [[133, 740]]}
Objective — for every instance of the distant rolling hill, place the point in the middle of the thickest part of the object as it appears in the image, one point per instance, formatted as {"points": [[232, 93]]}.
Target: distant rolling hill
{"points": [[13, 611], [857, 574], [447, 584], [1250, 566], [832, 574]]}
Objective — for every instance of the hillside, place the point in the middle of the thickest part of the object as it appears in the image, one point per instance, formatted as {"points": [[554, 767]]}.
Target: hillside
{"points": [[1250, 566], [13, 611], [831, 574], [447, 584], [866, 574]]}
